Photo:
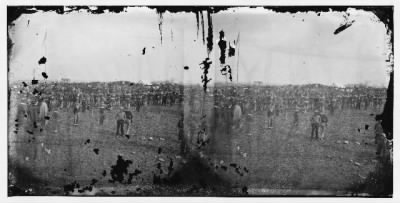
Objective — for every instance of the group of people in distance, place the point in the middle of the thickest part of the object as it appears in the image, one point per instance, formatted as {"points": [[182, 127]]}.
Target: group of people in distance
{"points": [[229, 102]]}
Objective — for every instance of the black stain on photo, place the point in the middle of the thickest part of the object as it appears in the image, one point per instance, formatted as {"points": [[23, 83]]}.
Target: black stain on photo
{"points": [[245, 190], [96, 151], [222, 46], [343, 27], [119, 169], [44, 74], [69, 188], [42, 60], [204, 78], [94, 181]]}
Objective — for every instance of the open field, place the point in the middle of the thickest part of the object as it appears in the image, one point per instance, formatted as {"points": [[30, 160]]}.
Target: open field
{"points": [[252, 159]]}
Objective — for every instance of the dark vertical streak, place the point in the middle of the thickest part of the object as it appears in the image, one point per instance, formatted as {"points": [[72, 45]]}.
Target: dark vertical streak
{"points": [[387, 114], [210, 33], [204, 78], [197, 23], [160, 25], [10, 44], [202, 26]]}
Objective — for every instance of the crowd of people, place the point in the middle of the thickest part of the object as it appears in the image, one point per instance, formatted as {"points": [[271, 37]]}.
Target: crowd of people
{"points": [[293, 101], [229, 103], [37, 102]]}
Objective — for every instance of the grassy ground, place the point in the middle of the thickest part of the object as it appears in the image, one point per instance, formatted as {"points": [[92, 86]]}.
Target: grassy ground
{"points": [[278, 159]]}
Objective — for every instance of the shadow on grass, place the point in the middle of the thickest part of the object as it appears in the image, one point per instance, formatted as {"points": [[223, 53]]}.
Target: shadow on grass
{"points": [[379, 183], [194, 178], [22, 182]]}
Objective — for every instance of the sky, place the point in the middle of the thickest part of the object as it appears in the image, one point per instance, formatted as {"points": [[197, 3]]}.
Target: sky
{"points": [[274, 48]]}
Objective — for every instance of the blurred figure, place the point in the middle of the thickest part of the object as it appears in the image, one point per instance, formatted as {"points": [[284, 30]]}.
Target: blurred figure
{"points": [[237, 114], [296, 117], [270, 115], [181, 135], [315, 123], [33, 114], [22, 112], [43, 114], [128, 121], [54, 117], [102, 114], [76, 113], [324, 124], [381, 142], [378, 128]]}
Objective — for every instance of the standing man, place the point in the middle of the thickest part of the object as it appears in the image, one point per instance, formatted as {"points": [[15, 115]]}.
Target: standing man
{"points": [[128, 121], [315, 123], [120, 117], [324, 124], [270, 114], [76, 112]]}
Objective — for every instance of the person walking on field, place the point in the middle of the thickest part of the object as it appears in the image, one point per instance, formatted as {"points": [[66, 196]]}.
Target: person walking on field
{"points": [[315, 124]]}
